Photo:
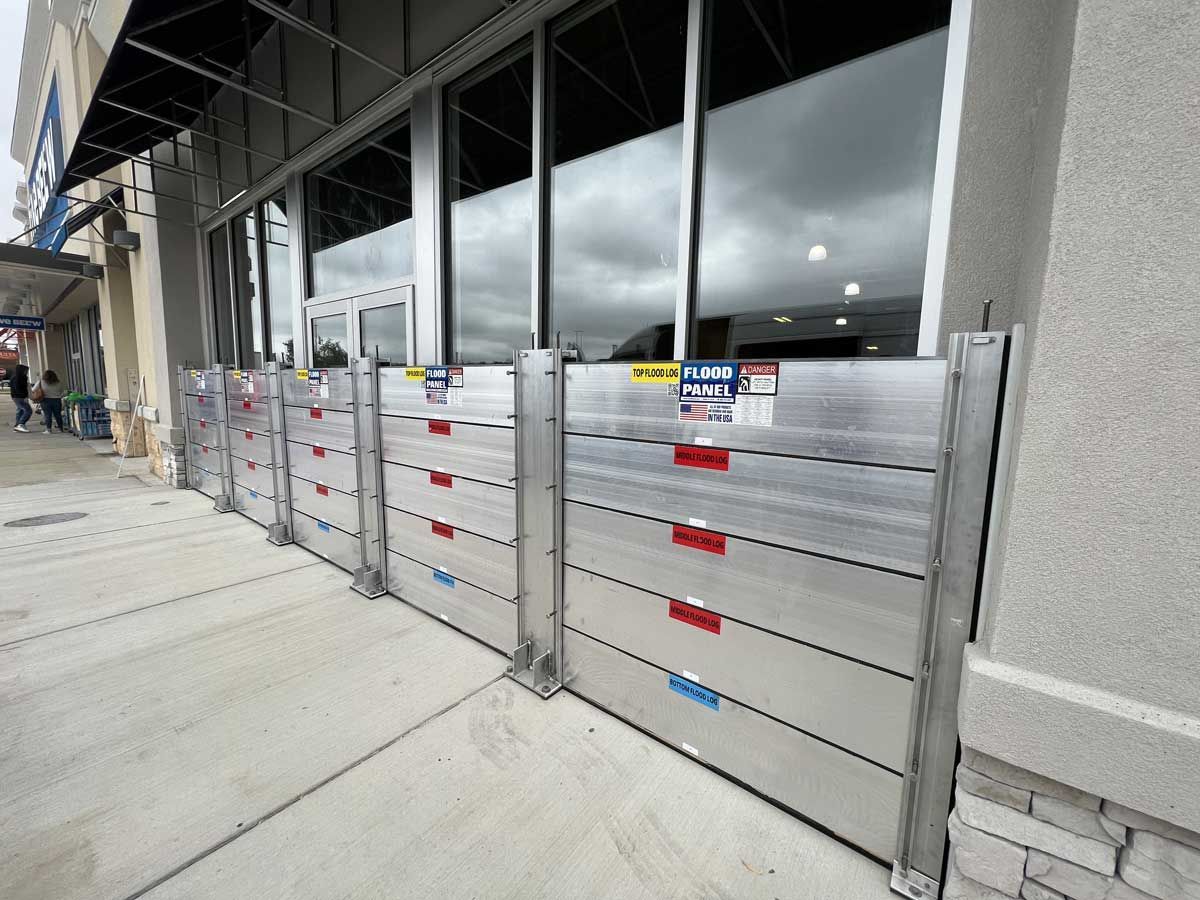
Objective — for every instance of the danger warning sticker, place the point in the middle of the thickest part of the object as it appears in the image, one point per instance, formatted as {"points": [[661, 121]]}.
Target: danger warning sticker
{"points": [[439, 427], [441, 530], [441, 480], [702, 458], [700, 618], [758, 379], [698, 539], [694, 692]]}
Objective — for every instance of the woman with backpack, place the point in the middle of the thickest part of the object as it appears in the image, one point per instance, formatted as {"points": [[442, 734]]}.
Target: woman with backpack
{"points": [[49, 391], [19, 387]]}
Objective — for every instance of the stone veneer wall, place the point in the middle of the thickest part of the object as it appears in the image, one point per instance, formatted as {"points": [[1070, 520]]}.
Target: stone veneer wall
{"points": [[119, 422], [1014, 833]]}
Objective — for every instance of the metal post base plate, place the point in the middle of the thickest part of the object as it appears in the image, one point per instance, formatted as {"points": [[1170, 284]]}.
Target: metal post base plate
{"points": [[534, 672], [223, 503], [368, 581], [912, 883], [278, 534]]}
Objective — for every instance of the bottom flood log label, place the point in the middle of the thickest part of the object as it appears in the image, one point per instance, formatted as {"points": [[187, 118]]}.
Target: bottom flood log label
{"points": [[697, 539], [443, 578], [441, 530], [323, 527], [694, 692], [682, 612]]}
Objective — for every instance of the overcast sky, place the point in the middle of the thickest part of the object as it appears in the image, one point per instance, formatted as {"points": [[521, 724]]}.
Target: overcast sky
{"points": [[12, 35]]}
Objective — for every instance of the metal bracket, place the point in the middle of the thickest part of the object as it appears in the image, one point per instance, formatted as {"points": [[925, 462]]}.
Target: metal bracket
{"points": [[279, 534], [911, 883], [534, 672], [223, 503], [368, 581]]}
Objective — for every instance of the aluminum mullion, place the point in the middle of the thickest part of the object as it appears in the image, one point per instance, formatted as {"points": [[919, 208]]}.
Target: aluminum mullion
{"points": [[690, 187], [539, 261]]}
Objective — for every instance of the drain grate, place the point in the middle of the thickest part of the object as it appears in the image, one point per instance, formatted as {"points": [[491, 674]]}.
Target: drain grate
{"points": [[49, 519]]}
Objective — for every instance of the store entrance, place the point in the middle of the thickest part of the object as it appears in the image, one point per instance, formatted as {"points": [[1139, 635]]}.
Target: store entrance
{"points": [[378, 325]]}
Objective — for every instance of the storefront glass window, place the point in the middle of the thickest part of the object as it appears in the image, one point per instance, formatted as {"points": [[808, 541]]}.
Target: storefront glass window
{"points": [[360, 214], [617, 72], [279, 280], [490, 139], [820, 139]]}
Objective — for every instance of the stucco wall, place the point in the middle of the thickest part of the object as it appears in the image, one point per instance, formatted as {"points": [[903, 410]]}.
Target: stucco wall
{"points": [[1088, 670]]}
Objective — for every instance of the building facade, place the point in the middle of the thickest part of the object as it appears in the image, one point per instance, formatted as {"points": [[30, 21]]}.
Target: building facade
{"points": [[446, 183]]}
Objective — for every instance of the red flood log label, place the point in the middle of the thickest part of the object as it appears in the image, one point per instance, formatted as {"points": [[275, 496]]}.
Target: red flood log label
{"points": [[249, 435], [319, 452], [439, 428], [440, 480], [315, 413], [694, 616], [246, 404], [441, 530], [698, 539], [251, 466], [322, 490], [702, 458]]}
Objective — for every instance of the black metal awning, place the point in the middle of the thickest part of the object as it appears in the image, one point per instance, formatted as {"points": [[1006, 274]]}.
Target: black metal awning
{"points": [[168, 62]]}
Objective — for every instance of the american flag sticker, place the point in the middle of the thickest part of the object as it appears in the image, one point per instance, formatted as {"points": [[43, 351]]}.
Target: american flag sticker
{"points": [[693, 412]]}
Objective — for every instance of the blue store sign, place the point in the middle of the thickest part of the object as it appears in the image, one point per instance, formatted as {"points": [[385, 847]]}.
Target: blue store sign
{"points": [[45, 206]]}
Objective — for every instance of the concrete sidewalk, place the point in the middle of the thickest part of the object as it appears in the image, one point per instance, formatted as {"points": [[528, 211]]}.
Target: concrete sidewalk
{"points": [[191, 712]]}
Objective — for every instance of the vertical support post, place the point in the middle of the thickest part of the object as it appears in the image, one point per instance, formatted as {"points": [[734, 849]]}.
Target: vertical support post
{"points": [[537, 660], [369, 577], [974, 371], [281, 531], [181, 387], [223, 502]]}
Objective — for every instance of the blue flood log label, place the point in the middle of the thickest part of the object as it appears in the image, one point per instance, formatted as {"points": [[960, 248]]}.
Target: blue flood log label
{"points": [[443, 578], [323, 526], [694, 692], [254, 495]]}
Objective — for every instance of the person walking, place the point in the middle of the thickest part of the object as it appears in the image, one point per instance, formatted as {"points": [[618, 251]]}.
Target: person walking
{"points": [[49, 392], [19, 387]]}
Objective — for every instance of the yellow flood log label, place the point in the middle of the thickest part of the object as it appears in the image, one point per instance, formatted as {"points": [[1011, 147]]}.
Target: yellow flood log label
{"points": [[644, 373], [416, 373], [302, 374]]}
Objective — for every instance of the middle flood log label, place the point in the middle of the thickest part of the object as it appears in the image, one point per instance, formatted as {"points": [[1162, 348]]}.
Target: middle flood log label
{"points": [[698, 539], [700, 618], [702, 457]]}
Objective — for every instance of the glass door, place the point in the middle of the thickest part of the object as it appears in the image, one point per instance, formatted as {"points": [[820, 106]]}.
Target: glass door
{"points": [[378, 325]]}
